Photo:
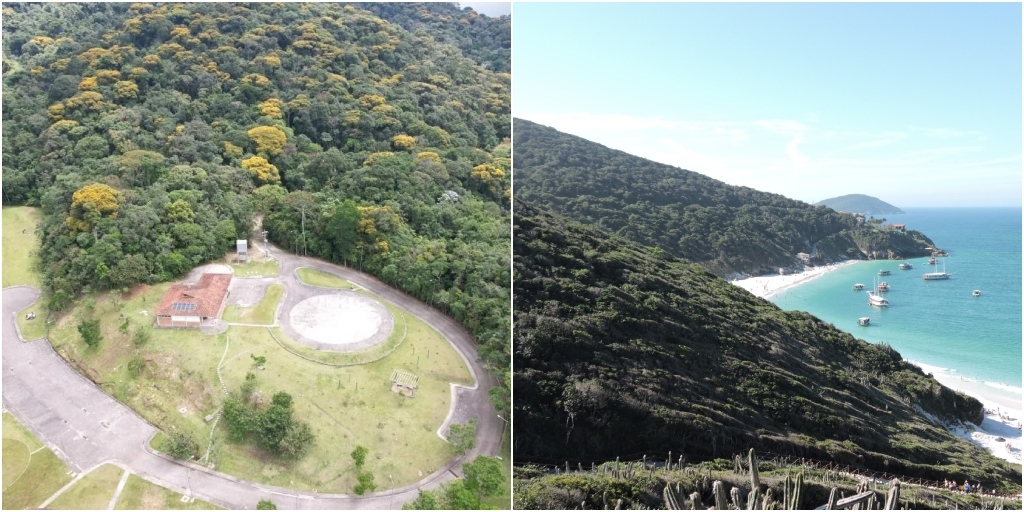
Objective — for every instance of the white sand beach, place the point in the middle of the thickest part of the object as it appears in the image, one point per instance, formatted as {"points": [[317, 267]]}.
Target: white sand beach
{"points": [[766, 286], [1003, 404], [1003, 413]]}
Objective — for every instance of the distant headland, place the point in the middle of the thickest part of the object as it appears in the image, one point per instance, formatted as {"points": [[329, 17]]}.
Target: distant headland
{"points": [[860, 203]]}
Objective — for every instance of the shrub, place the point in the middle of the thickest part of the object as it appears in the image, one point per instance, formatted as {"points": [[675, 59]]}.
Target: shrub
{"points": [[90, 332], [181, 446]]}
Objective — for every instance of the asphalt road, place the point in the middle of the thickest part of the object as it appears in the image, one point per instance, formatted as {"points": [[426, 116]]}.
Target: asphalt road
{"points": [[86, 427]]}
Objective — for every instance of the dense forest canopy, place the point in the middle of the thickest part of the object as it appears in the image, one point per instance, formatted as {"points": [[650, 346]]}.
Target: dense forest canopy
{"points": [[623, 350], [152, 136], [723, 227]]}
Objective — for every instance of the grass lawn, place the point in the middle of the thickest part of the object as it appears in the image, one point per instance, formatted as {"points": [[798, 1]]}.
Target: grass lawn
{"points": [[19, 248], [28, 478], [92, 492], [345, 407], [314, 277], [262, 313], [139, 494], [35, 328], [266, 268]]}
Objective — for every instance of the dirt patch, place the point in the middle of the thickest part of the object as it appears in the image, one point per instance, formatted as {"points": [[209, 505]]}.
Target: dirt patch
{"points": [[136, 290]]}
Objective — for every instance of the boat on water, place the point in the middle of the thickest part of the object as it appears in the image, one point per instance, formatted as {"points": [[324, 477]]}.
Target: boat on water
{"points": [[864, 320], [933, 276], [877, 300], [931, 261], [976, 293], [858, 287], [884, 272], [882, 287], [906, 266]]}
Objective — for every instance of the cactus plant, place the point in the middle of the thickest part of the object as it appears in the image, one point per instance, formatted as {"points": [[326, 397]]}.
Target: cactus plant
{"points": [[695, 502], [721, 502], [736, 498], [673, 497], [769, 502]]}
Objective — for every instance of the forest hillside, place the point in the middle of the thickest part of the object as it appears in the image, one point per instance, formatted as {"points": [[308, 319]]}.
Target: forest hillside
{"points": [[152, 136], [622, 350], [727, 229]]}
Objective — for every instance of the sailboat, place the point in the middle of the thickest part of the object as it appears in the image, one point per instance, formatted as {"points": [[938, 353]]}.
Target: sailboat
{"points": [[876, 299], [931, 276]]}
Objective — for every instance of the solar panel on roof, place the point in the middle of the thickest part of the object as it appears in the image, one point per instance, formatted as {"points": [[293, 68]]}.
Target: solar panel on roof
{"points": [[182, 306]]}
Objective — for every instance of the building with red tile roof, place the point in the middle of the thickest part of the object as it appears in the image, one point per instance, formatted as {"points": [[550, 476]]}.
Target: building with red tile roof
{"points": [[189, 305]]}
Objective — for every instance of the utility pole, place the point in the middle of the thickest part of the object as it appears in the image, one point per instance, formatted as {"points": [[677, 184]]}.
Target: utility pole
{"points": [[303, 230]]}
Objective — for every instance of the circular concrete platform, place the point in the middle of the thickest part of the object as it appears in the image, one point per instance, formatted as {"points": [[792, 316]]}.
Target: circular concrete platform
{"points": [[342, 321]]}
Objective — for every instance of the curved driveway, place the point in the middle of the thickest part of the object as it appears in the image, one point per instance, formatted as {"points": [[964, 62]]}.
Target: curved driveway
{"points": [[86, 427]]}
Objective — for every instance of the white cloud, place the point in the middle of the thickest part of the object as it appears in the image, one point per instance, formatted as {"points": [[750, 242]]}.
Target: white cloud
{"points": [[793, 151]]}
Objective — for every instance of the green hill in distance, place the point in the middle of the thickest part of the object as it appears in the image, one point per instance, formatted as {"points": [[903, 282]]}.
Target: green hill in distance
{"points": [[725, 228], [621, 350], [860, 203]]}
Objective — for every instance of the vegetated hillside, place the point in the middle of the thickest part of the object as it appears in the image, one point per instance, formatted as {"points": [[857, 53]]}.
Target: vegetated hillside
{"points": [[860, 203], [153, 134], [724, 228], [485, 39], [621, 350]]}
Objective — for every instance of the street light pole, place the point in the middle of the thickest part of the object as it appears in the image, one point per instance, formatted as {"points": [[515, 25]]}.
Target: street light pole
{"points": [[502, 426]]}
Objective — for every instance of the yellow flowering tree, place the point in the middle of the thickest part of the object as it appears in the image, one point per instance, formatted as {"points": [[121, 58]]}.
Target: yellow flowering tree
{"points": [[403, 141], [265, 172], [272, 108], [90, 203], [270, 140]]}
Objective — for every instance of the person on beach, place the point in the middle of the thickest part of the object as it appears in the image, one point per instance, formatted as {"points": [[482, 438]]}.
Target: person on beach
{"points": [[967, 486]]}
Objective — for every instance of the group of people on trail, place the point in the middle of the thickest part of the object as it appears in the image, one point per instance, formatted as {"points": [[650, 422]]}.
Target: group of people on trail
{"points": [[951, 485]]}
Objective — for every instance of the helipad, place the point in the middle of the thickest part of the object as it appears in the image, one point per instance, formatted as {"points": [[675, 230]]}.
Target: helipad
{"points": [[341, 321]]}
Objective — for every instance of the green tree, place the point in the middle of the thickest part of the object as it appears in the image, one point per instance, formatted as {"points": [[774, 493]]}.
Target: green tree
{"points": [[425, 500], [462, 436], [341, 230], [457, 496], [266, 505], [89, 330], [359, 456], [297, 440], [366, 484], [484, 476], [141, 336]]}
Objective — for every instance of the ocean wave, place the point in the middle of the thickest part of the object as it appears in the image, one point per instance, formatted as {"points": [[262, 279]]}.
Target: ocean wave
{"points": [[1014, 389]]}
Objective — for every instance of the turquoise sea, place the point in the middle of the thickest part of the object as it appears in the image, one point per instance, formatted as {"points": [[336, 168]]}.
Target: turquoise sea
{"points": [[938, 323]]}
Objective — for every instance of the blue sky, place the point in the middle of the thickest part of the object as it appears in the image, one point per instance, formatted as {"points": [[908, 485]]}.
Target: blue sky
{"points": [[917, 104]]}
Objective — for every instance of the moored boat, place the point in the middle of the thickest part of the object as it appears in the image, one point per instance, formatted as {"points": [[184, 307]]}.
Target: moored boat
{"points": [[877, 300], [858, 286], [977, 293], [883, 287], [864, 320], [884, 272], [933, 276], [906, 266]]}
